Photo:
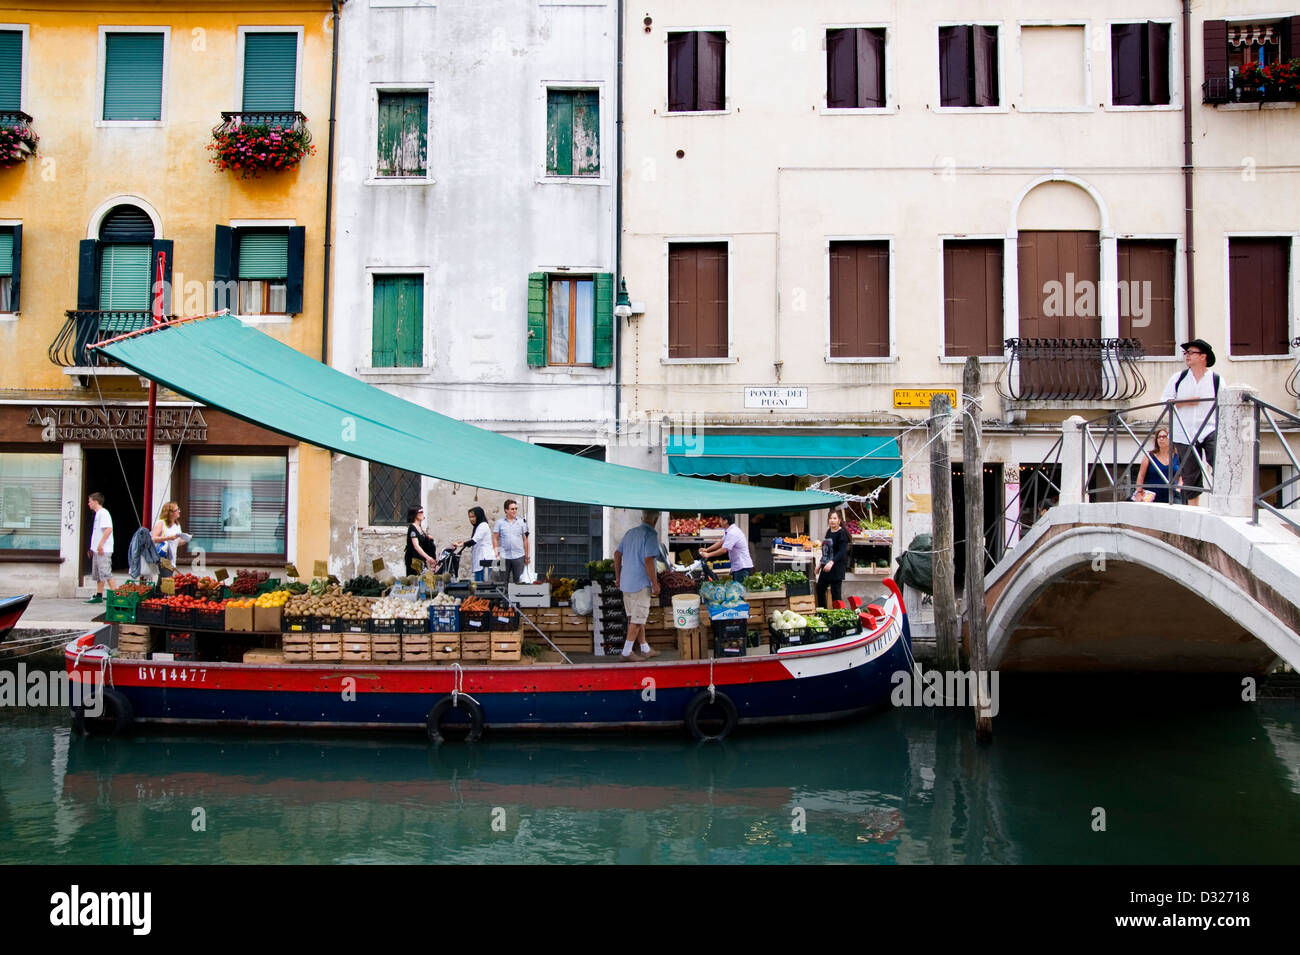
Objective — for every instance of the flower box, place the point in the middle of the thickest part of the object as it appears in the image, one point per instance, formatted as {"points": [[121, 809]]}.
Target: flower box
{"points": [[263, 144]]}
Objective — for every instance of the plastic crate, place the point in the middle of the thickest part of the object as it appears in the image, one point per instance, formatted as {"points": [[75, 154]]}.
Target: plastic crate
{"points": [[180, 641], [345, 626], [180, 618], [475, 621], [385, 625], [799, 590], [304, 623], [503, 620], [730, 638], [210, 619], [796, 637], [186, 590], [444, 619], [407, 625], [151, 616]]}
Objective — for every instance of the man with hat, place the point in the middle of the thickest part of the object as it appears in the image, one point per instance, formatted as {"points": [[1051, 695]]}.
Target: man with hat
{"points": [[1194, 392]]}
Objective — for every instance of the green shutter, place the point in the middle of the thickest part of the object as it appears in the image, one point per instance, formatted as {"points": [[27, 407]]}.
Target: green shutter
{"points": [[6, 251], [586, 133], [11, 69], [604, 350], [263, 255], [397, 332], [124, 278], [270, 66], [133, 76], [559, 133], [403, 134], [537, 319]]}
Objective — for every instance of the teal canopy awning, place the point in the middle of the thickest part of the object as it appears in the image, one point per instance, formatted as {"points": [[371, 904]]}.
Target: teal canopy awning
{"points": [[784, 454], [226, 365]]}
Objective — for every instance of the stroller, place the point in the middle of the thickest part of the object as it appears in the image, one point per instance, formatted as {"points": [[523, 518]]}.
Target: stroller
{"points": [[449, 560]]}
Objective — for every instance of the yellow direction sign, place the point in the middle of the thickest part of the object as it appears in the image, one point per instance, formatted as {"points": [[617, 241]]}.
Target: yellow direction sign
{"points": [[920, 397]]}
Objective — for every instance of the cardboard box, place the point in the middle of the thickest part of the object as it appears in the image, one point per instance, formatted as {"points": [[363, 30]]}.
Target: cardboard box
{"points": [[267, 619], [239, 618], [738, 612], [259, 655]]}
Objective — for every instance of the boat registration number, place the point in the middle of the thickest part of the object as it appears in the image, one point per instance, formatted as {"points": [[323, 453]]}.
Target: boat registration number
{"points": [[174, 675]]}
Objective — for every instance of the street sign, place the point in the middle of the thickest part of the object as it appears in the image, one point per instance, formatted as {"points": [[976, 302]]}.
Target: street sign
{"points": [[920, 397]]}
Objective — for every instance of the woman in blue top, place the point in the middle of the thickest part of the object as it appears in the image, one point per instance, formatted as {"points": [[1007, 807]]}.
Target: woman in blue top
{"points": [[1162, 463]]}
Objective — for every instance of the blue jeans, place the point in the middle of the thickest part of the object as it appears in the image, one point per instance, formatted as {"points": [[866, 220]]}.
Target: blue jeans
{"points": [[739, 575], [480, 576]]}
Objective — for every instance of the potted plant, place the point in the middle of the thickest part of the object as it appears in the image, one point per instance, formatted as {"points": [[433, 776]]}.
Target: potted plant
{"points": [[252, 150], [1283, 80], [17, 144], [1250, 82]]}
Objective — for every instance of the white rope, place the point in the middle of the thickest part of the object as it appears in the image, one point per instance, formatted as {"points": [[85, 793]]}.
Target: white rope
{"points": [[713, 690], [458, 690], [120, 466]]}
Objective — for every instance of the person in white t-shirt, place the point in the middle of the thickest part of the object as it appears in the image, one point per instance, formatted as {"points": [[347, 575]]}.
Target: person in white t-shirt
{"points": [[1194, 391], [101, 547]]}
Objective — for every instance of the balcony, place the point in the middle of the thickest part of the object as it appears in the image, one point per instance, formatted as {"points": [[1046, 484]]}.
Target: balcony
{"points": [[252, 143], [17, 138], [1293, 380], [1227, 92], [1071, 371], [83, 328], [285, 120]]}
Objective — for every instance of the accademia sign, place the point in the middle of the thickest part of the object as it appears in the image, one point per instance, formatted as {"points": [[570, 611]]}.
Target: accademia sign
{"points": [[86, 423]]}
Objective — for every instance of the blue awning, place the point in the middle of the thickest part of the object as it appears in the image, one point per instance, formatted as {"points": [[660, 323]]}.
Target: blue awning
{"points": [[780, 454]]}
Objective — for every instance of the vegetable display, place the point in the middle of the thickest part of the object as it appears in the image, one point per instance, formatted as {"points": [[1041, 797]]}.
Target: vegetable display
{"points": [[598, 568], [839, 618], [444, 600], [562, 588], [757, 582], [720, 593], [400, 608], [363, 586], [787, 620], [789, 577]]}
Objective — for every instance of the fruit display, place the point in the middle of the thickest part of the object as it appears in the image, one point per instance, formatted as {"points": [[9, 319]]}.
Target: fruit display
{"points": [[562, 588], [274, 598], [240, 603], [472, 604], [363, 586], [185, 580], [672, 582], [142, 590], [691, 526], [209, 587], [247, 582], [182, 602], [802, 542]]}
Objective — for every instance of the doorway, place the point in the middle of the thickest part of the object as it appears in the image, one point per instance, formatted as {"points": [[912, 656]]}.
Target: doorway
{"points": [[568, 536], [122, 485], [993, 515]]}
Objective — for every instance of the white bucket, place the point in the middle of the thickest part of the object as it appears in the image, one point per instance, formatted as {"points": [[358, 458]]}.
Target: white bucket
{"points": [[686, 611]]}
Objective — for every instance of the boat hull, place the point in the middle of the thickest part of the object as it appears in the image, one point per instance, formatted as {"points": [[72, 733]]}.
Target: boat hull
{"points": [[11, 610], [820, 682]]}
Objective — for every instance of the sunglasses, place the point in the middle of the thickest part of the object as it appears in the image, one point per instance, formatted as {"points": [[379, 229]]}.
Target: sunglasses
{"points": [[1192, 351]]}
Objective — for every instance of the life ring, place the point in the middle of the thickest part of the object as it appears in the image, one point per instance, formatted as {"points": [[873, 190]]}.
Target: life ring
{"points": [[444, 706], [116, 718], [702, 699]]}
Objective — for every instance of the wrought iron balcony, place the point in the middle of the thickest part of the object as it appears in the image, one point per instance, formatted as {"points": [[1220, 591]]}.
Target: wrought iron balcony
{"points": [[287, 119], [14, 117], [1071, 369], [69, 349], [1225, 89], [1293, 382]]}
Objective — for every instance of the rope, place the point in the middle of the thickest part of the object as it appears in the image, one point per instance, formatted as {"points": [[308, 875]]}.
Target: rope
{"points": [[713, 690], [458, 689], [121, 467]]}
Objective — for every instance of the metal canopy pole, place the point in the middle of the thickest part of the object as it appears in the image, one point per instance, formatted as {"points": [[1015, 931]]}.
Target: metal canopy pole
{"points": [[146, 511]]}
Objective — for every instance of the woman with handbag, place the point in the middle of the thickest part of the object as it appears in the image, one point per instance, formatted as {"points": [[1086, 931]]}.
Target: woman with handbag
{"points": [[834, 562]]}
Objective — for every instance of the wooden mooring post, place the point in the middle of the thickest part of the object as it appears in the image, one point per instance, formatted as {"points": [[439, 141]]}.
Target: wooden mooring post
{"points": [[977, 623], [946, 624]]}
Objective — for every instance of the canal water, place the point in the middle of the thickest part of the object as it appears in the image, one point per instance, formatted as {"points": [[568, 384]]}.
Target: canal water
{"points": [[1093, 771]]}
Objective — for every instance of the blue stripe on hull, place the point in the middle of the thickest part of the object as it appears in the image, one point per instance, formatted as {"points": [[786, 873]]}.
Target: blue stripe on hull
{"points": [[864, 687]]}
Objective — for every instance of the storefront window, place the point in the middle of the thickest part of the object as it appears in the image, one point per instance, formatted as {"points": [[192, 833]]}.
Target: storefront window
{"points": [[31, 492], [238, 503]]}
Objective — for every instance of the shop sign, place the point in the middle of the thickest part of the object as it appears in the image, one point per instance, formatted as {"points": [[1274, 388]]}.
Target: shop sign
{"points": [[778, 398], [920, 397], [89, 423]]}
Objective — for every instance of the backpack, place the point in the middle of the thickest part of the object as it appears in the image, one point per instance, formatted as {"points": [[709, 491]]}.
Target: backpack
{"points": [[1180, 378]]}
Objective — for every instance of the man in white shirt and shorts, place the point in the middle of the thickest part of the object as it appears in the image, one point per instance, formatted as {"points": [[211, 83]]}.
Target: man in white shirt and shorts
{"points": [[101, 547], [1194, 391]]}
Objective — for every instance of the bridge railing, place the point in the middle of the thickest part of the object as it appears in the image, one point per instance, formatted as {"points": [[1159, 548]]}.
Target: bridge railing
{"points": [[1116, 444], [1039, 490], [1288, 491]]}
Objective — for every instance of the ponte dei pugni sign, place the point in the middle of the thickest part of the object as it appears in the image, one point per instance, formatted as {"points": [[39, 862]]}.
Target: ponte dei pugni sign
{"points": [[89, 423]]}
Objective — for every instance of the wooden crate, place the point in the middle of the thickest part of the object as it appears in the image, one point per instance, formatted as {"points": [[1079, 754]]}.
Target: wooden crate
{"points": [[572, 621], [326, 647], [803, 604], [691, 644], [132, 654], [259, 655], [551, 619], [445, 647], [413, 656], [386, 643], [498, 655], [416, 643], [132, 630], [474, 654], [386, 656], [297, 656]]}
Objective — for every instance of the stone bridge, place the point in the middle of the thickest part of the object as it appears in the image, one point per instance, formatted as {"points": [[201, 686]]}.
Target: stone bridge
{"points": [[1122, 586]]}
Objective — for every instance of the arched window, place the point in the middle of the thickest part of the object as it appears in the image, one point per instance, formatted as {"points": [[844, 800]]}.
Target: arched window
{"points": [[116, 272]]}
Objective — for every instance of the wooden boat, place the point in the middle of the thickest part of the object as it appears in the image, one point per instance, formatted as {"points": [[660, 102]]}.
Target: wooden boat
{"points": [[822, 681], [12, 608]]}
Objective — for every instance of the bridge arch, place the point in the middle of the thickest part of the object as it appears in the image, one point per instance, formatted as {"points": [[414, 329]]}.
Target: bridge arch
{"points": [[1098, 588]]}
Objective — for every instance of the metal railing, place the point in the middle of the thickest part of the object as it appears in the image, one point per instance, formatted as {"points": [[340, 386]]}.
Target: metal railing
{"points": [[1265, 412], [284, 119], [1115, 445], [85, 327], [1225, 89], [1071, 369], [1293, 382], [14, 117], [1039, 490]]}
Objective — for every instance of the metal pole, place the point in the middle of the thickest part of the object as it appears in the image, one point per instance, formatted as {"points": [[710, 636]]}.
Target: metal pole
{"points": [[146, 510]]}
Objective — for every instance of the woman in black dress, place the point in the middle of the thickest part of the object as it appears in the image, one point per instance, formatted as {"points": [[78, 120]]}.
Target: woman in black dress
{"points": [[835, 559], [419, 545]]}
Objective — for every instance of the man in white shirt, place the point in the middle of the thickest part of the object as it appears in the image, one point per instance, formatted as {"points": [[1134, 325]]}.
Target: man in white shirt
{"points": [[1194, 391], [510, 540], [101, 547]]}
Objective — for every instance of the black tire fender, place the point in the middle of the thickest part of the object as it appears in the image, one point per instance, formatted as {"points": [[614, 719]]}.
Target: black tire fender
{"points": [[444, 706], [116, 719], [697, 705]]}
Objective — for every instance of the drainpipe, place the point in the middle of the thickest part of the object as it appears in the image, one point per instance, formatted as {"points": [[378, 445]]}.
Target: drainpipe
{"points": [[1188, 250], [618, 214], [329, 190]]}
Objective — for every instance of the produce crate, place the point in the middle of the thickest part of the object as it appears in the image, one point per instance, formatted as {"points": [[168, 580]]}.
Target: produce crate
{"points": [[730, 638], [799, 590], [546, 619], [386, 646], [413, 591], [803, 605], [180, 618], [134, 640], [179, 641], [206, 619], [386, 656], [796, 637], [416, 643], [121, 608], [267, 586], [298, 656], [153, 616], [296, 643], [445, 646], [186, 590], [356, 647], [385, 625], [267, 618], [299, 623], [326, 647], [345, 626], [530, 595], [475, 621], [690, 644], [507, 646], [475, 646], [755, 595], [239, 619], [413, 626], [503, 620], [444, 619], [264, 656]]}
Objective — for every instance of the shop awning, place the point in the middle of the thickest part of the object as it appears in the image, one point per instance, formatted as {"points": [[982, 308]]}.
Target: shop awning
{"points": [[224, 364], [853, 456]]}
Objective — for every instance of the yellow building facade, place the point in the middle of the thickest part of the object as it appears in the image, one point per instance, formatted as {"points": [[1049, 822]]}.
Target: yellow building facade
{"points": [[125, 99]]}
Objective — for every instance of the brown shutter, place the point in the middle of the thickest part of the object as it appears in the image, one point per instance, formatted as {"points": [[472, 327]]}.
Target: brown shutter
{"points": [[985, 57], [1157, 86], [1257, 296], [712, 69], [1146, 269], [681, 72], [697, 300], [1215, 47], [972, 297], [713, 305], [954, 66], [871, 68], [1126, 64], [683, 282], [840, 61], [859, 300], [1290, 30], [844, 302]]}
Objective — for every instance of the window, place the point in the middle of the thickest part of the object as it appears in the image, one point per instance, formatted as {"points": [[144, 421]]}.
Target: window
{"points": [[968, 66], [124, 277], [133, 76], [1146, 293], [397, 322], [1053, 68], [697, 300], [696, 71], [572, 133], [1258, 303], [1229, 47], [1139, 64], [258, 270], [392, 491], [11, 73], [116, 272], [570, 319], [972, 297], [270, 72], [31, 496], [403, 131], [238, 503], [11, 254], [859, 300], [855, 68]]}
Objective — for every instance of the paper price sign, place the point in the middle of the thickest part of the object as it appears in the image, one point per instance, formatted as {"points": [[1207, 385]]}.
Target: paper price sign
{"points": [[377, 565], [322, 569]]}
